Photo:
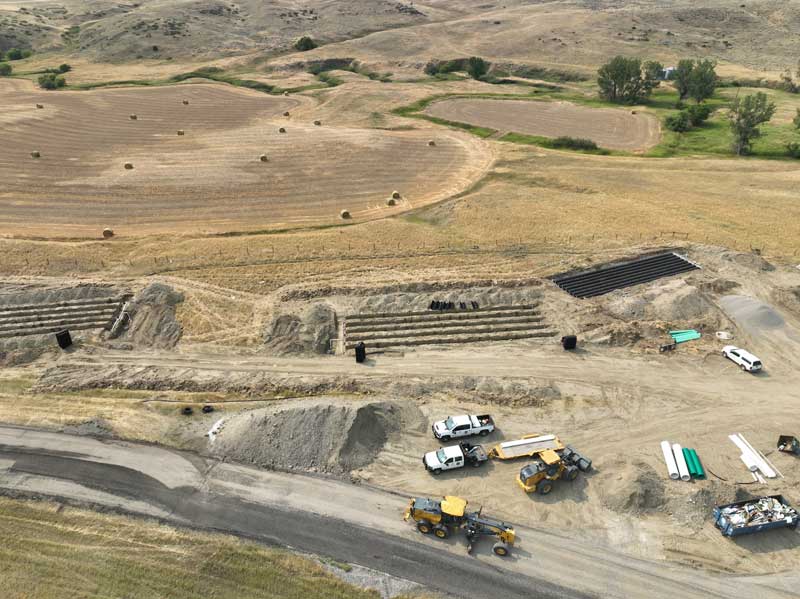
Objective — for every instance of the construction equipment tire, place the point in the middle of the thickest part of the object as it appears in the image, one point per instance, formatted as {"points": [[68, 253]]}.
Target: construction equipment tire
{"points": [[571, 473], [424, 527], [500, 549], [441, 532], [545, 487]]}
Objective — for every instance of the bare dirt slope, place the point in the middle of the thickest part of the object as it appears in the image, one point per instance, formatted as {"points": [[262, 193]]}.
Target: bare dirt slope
{"points": [[211, 177], [616, 129]]}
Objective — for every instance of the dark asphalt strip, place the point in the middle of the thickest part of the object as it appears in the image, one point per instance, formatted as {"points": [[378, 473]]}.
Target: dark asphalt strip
{"points": [[430, 566]]}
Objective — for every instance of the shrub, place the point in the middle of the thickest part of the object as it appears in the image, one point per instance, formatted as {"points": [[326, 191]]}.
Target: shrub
{"points": [[698, 114], [14, 54], [573, 143], [793, 149], [51, 81], [5, 69], [477, 67], [64, 68], [304, 44], [678, 122]]}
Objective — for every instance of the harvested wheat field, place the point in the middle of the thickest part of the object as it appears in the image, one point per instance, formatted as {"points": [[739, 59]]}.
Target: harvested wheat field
{"points": [[616, 129], [114, 157]]}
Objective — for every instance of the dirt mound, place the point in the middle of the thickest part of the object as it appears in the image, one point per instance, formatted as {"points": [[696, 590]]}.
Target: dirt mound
{"points": [[310, 331], [752, 261], [152, 318], [632, 488], [673, 301], [333, 438]]}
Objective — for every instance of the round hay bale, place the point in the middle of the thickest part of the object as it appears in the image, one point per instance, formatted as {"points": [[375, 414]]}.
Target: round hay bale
{"points": [[185, 102], [134, 117], [633, 112], [396, 195], [181, 132], [345, 214], [263, 158], [317, 123], [431, 143], [40, 106], [128, 166], [285, 93], [282, 130], [286, 113], [36, 154], [108, 233], [391, 202]]}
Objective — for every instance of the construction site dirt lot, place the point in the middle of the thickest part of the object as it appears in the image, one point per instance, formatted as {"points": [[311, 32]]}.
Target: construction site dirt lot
{"points": [[615, 129], [114, 157], [614, 400]]}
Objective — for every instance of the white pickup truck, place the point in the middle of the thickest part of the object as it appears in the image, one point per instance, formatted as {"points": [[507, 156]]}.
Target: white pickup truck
{"points": [[465, 425], [454, 456]]}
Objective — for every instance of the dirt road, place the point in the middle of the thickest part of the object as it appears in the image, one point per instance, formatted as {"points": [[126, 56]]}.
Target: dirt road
{"points": [[338, 519]]}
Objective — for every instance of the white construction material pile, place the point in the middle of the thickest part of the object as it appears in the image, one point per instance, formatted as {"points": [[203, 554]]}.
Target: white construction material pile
{"points": [[761, 511], [755, 461]]}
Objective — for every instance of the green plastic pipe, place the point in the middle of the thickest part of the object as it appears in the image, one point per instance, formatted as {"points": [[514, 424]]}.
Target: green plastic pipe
{"points": [[689, 464], [695, 472], [701, 471]]}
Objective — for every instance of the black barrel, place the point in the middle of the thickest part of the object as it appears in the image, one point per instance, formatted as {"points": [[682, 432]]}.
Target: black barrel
{"points": [[64, 339], [569, 342], [361, 352]]}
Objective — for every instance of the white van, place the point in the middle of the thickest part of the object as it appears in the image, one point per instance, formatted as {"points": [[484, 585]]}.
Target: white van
{"points": [[747, 361]]}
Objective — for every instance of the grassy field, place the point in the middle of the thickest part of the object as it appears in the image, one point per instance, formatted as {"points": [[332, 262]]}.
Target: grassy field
{"points": [[713, 138], [51, 552]]}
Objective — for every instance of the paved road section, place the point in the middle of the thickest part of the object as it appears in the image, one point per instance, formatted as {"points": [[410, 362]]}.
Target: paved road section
{"points": [[352, 523]]}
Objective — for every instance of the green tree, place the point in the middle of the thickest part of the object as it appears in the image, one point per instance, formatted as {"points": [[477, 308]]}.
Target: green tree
{"points": [[621, 80], [14, 54], [796, 120], [304, 44], [64, 68], [5, 69], [51, 81], [703, 80], [477, 67], [681, 77], [746, 115]]}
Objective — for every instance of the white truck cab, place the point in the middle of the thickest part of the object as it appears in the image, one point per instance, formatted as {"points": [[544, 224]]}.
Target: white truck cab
{"points": [[746, 361], [464, 425]]}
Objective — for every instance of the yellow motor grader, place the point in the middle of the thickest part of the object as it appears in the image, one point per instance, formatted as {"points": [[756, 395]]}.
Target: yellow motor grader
{"points": [[449, 514]]}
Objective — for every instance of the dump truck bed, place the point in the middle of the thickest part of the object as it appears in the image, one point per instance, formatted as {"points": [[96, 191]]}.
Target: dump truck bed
{"points": [[525, 447]]}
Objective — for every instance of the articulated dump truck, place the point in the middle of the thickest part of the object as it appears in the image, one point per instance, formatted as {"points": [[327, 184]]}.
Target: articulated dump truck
{"points": [[442, 517]]}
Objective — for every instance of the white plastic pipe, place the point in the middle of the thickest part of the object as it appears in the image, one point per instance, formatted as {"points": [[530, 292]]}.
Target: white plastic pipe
{"points": [[683, 469], [749, 462], [752, 456], [761, 457], [672, 467]]}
